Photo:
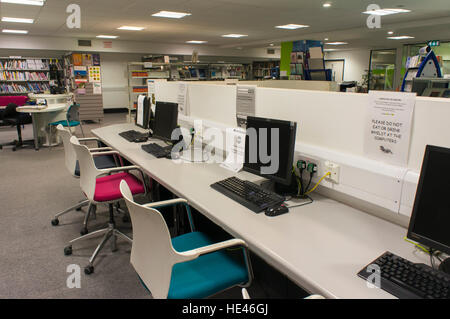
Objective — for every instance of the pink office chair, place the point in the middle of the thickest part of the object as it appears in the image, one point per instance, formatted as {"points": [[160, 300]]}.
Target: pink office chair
{"points": [[102, 186]]}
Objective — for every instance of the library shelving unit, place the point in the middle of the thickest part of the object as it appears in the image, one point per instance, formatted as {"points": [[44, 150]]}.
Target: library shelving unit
{"points": [[138, 74], [266, 70], [77, 79], [24, 75]]}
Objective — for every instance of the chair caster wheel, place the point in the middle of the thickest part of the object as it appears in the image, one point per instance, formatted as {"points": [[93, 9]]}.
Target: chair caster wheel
{"points": [[126, 219], [13, 149], [89, 269], [68, 250], [84, 231], [78, 209], [55, 222]]}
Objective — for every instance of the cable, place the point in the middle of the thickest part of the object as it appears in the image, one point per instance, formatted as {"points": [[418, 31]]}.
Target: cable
{"points": [[317, 184], [416, 244]]}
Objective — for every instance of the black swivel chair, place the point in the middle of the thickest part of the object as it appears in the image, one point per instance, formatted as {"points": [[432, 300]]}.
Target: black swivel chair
{"points": [[10, 117]]}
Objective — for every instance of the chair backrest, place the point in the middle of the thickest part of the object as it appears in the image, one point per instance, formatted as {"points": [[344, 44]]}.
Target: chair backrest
{"points": [[89, 172], [10, 111], [73, 112], [69, 151], [152, 253]]}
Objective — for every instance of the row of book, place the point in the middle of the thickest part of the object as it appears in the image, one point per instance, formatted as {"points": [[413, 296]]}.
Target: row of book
{"points": [[28, 64], [23, 76], [24, 88]]}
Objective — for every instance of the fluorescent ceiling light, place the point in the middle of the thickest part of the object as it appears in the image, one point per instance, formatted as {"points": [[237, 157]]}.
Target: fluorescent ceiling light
{"points": [[15, 31], [292, 26], [102, 36], [400, 37], [326, 5], [196, 41], [126, 27], [232, 35], [390, 32], [26, 2], [171, 14], [336, 43], [18, 20], [385, 12]]}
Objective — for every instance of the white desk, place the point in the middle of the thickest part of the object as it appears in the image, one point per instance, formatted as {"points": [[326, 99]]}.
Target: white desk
{"points": [[320, 246], [42, 117]]}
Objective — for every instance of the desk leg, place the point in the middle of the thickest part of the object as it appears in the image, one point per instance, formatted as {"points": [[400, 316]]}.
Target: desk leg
{"points": [[35, 132]]}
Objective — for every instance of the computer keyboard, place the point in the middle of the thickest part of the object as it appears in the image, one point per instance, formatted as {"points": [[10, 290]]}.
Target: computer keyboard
{"points": [[248, 194], [407, 280], [157, 150], [134, 136]]}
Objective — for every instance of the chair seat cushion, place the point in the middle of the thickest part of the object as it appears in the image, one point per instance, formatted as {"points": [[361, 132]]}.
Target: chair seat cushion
{"points": [[205, 275], [64, 123], [107, 187], [101, 162]]}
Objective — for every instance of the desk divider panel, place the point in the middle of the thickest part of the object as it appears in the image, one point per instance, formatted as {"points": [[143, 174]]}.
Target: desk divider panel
{"points": [[331, 127]]}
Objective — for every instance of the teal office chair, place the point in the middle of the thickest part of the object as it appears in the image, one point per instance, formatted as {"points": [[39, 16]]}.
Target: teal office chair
{"points": [[184, 267], [72, 120]]}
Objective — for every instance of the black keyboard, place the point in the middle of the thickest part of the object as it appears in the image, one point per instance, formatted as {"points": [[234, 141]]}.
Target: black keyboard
{"points": [[407, 280], [157, 150], [134, 136], [248, 194]]}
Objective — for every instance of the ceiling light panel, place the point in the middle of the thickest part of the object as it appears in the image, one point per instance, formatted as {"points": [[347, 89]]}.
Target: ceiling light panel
{"points": [[196, 41], [15, 31], [336, 43], [233, 35], [131, 28], [103, 36], [17, 20], [385, 12], [171, 14], [400, 37], [292, 26], [25, 2]]}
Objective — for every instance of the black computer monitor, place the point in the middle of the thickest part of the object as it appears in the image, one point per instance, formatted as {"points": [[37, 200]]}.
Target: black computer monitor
{"points": [[430, 220], [166, 119], [261, 147]]}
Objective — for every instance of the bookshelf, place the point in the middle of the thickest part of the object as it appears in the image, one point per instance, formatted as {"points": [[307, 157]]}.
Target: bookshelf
{"points": [[138, 74], [24, 75], [266, 70], [82, 76]]}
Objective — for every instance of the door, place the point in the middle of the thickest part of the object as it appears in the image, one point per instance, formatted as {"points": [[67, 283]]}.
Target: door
{"points": [[337, 69]]}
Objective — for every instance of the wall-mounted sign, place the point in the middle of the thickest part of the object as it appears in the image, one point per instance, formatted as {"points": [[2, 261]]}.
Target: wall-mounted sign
{"points": [[388, 126]]}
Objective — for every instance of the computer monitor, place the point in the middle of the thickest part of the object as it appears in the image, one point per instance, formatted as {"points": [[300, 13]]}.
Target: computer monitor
{"points": [[166, 119], [318, 75], [143, 112], [430, 220], [269, 148]]}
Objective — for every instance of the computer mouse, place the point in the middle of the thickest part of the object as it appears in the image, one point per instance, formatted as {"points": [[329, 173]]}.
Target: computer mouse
{"points": [[276, 210], [141, 139]]}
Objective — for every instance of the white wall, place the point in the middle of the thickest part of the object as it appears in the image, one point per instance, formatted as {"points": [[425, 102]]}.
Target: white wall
{"points": [[356, 63]]}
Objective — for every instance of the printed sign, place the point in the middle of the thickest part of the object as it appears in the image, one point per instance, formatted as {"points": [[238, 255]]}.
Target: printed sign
{"points": [[388, 127]]}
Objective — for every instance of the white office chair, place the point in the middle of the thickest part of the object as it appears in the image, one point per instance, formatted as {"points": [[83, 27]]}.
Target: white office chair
{"points": [[101, 186], [184, 267], [245, 295], [72, 166]]}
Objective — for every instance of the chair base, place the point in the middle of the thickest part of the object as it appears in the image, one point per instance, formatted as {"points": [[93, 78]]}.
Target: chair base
{"points": [[77, 207], [108, 233], [18, 144]]}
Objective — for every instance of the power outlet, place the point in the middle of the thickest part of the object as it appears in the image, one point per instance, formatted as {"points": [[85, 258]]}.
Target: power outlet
{"points": [[334, 169]]}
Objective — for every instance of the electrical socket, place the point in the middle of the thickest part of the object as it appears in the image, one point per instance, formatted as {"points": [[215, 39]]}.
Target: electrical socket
{"points": [[334, 169]]}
